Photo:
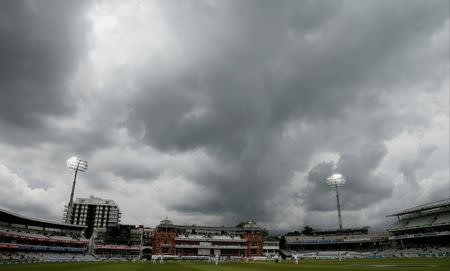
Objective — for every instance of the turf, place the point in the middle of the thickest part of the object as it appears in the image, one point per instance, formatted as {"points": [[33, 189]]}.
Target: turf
{"points": [[403, 264]]}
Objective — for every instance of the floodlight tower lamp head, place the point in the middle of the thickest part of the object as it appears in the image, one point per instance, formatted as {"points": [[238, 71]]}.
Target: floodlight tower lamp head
{"points": [[77, 164], [336, 180]]}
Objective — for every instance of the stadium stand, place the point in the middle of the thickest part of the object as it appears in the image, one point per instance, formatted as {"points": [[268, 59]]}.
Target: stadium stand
{"points": [[341, 254], [346, 242], [421, 231], [24, 239], [118, 242], [442, 219]]}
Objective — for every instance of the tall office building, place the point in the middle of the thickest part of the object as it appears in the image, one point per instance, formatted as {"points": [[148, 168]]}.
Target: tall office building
{"points": [[93, 213]]}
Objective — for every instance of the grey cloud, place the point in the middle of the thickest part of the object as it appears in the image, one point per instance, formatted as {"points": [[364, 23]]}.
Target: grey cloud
{"points": [[41, 43], [254, 71], [410, 167], [131, 173], [259, 87]]}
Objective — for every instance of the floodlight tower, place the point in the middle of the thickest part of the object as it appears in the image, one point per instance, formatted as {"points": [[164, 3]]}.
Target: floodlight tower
{"points": [[76, 164], [335, 181]]}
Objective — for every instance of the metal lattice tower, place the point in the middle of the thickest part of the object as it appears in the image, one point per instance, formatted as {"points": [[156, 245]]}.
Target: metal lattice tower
{"points": [[335, 181], [76, 164]]}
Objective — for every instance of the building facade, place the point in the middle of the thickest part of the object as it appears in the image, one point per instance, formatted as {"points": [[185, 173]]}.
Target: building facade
{"points": [[182, 240], [147, 242], [93, 213], [271, 248], [118, 241]]}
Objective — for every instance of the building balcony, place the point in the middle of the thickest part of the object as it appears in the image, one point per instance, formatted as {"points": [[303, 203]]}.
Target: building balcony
{"points": [[210, 246]]}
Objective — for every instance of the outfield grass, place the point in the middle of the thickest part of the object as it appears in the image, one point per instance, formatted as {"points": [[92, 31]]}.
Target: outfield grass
{"points": [[404, 264]]}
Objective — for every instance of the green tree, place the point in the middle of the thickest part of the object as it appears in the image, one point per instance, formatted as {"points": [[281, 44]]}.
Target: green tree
{"points": [[307, 230]]}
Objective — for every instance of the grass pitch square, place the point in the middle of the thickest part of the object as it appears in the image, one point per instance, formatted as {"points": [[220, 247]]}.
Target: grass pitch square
{"points": [[305, 265]]}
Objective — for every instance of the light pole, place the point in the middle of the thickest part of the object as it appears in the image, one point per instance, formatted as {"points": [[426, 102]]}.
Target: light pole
{"points": [[335, 181], [76, 164]]}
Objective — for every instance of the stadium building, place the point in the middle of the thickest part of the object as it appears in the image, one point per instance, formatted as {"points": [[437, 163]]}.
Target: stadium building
{"points": [[271, 247], [345, 242], [424, 229], [93, 213], [205, 241], [25, 239], [147, 242], [118, 242]]}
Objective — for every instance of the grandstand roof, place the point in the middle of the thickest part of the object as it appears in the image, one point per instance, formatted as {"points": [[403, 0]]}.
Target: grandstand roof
{"points": [[7, 216], [249, 226], [424, 207], [214, 228], [342, 231], [210, 228]]}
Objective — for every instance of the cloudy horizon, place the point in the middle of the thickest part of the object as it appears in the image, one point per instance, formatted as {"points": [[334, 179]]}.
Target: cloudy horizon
{"points": [[217, 112]]}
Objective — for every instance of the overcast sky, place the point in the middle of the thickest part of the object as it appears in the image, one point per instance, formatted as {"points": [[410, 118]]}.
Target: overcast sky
{"points": [[215, 112]]}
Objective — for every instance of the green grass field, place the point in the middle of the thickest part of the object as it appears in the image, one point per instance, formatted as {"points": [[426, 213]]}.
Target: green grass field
{"points": [[402, 264]]}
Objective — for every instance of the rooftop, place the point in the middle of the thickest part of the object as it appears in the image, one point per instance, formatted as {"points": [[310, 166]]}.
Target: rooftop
{"points": [[424, 207], [10, 217], [95, 201], [166, 223]]}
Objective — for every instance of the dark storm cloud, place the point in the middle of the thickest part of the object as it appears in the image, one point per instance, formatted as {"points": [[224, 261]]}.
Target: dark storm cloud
{"points": [[253, 68], [41, 43], [228, 103]]}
